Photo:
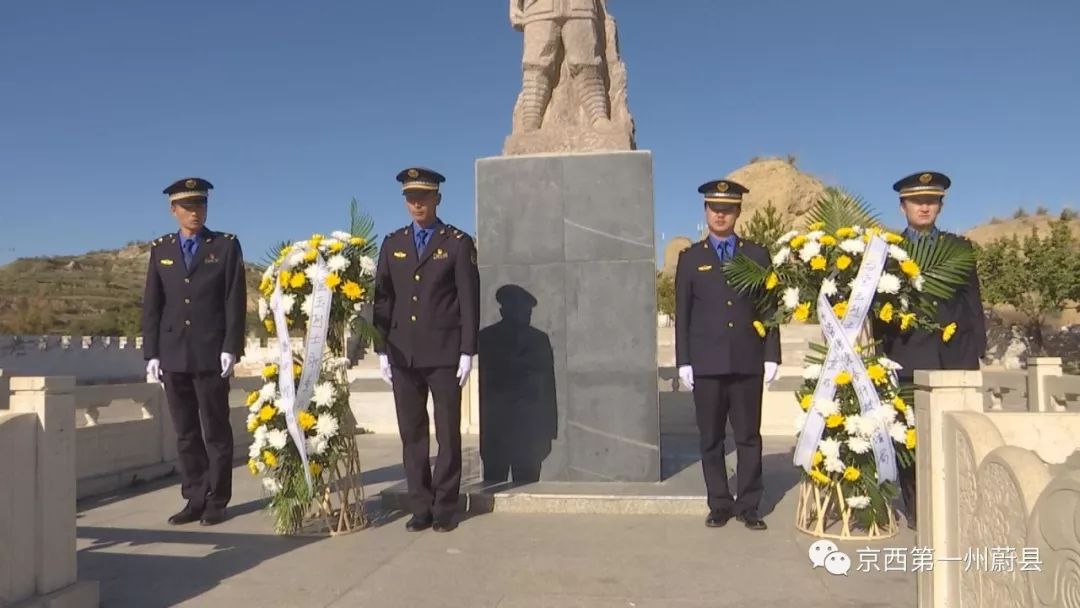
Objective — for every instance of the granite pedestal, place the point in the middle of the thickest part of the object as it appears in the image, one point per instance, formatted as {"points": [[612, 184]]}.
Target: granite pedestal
{"points": [[567, 361]]}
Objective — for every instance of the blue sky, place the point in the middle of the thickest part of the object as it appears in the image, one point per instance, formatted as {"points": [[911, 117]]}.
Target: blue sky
{"points": [[294, 108]]}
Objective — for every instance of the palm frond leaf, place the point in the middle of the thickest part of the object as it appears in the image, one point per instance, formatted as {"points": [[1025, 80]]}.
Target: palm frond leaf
{"points": [[945, 264], [272, 254], [363, 225], [745, 275], [839, 209]]}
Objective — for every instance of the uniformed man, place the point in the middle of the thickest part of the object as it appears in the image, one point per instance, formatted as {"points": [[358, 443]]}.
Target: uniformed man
{"points": [[922, 196], [722, 356], [194, 309], [427, 312]]}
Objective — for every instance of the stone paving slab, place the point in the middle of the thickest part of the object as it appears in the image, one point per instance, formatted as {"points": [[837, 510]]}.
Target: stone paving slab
{"points": [[497, 559]]}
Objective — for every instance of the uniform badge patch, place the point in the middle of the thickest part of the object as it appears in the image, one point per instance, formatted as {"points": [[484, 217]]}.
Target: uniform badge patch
{"points": [[212, 259], [704, 268], [440, 255], [166, 262], [399, 254]]}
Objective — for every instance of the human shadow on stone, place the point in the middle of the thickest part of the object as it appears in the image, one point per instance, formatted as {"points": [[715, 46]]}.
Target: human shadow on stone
{"points": [[518, 404]]}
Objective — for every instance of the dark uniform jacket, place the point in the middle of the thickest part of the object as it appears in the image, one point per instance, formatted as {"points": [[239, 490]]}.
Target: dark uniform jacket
{"points": [[427, 308], [922, 349], [192, 316], [714, 323]]}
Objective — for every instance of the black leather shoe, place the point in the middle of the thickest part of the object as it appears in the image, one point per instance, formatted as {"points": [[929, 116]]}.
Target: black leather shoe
{"points": [[186, 515], [444, 524], [751, 520], [416, 524], [212, 516], [717, 519]]}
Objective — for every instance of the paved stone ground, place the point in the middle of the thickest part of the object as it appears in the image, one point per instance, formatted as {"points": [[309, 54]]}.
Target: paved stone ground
{"points": [[492, 560]]}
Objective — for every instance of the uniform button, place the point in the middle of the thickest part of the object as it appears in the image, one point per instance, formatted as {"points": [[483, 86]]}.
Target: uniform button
{"points": [[416, 277], [415, 299], [187, 280], [187, 300], [729, 302], [731, 324], [413, 317], [187, 322]]}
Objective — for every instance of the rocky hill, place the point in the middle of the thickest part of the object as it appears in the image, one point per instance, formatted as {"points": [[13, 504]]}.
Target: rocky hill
{"points": [[792, 192], [96, 293], [1020, 227]]}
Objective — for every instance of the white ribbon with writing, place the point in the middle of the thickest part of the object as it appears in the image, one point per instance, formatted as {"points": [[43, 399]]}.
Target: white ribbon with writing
{"points": [[840, 337], [295, 398]]}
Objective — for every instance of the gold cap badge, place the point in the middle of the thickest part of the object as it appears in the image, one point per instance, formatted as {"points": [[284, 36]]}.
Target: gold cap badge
{"points": [[414, 173], [191, 184], [925, 178], [722, 187]]}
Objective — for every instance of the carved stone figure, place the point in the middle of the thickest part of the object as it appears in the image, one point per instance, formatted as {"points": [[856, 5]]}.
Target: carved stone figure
{"points": [[573, 94]]}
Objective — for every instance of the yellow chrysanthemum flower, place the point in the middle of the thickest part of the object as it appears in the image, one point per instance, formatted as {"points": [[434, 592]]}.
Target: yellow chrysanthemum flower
{"points": [[797, 242], [268, 323], [266, 285], [947, 332], [306, 420], [843, 378], [315, 240], [909, 439], [357, 241], [315, 468], [806, 401], [760, 328], [899, 404], [843, 262], [252, 397], [834, 420], [269, 458], [828, 241], [910, 268], [771, 281], [817, 458], [337, 246], [893, 239], [333, 280], [818, 263], [819, 477], [840, 309], [284, 277], [886, 312], [802, 312], [845, 233], [877, 374], [270, 371], [310, 255], [297, 280], [253, 424], [267, 413], [352, 290], [906, 319], [816, 226], [296, 369], [253, 467], [852, 474]]}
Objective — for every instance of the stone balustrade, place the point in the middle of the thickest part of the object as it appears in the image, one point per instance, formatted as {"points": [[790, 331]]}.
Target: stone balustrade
{"points": [[37, 498], [999, 489]]}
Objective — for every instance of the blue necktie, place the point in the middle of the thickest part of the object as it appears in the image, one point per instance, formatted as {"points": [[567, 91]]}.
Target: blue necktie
{"points": [[723, 251], [189, 252], [423, 237]]}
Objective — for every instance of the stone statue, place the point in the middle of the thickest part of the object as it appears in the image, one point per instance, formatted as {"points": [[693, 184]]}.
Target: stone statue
{"points": [[573, 94]]}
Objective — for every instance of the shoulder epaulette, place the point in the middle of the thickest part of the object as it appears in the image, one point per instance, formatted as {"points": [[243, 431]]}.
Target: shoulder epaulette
{"points": [[227, 235], [167, 237]]}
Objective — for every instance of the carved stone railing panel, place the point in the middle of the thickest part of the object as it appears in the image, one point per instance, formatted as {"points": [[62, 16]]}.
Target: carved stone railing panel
{"points": [[1054, 530]]}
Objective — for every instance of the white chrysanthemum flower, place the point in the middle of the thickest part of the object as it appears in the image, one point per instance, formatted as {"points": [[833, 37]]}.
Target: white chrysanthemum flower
{"points": [[834, 465], [829, 448], [287, 302], [264, 309], [905, 304], [828, 287], [787, 237], [254, 450], [277, 439], [898, 432], [305, 306], [316, 445], [268, 273], [917, 282], [853, 246], [326, 244], [815, 235], [341, 236], [897, 253], [326, 426], [888, 283], [337, 263], [857, 229], [909, 416], [268, 392], [324, 394], [800, 422], [889, 364], [271, 485], [791, 298], [809, 250], [857, 502], [252, 417], [853, 424], [812, 371], [315, 274], [260, 466], [259, 436], [858, 445], [886, 414], [827, 408], [295, 259], [367, 265]]}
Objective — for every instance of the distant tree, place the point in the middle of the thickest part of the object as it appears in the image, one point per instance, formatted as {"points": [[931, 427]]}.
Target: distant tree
{"points": [[766, 226], [665, 294], [1020, 213], [1040, 210], [1068, 214]]}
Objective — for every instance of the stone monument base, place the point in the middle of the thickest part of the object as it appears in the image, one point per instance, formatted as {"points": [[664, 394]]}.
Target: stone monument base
{"points": [[563, 139], [567, 349]]}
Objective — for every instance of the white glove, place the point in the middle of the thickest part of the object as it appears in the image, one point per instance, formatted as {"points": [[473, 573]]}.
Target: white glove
{"points": [[227, 362], [686, 373], [464, 367], [153, 369], [384, 369], [770, 371]]}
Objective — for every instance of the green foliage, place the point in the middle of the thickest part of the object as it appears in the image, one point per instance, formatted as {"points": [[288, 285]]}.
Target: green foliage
{"points": [[1068, 214], [945, 264], [1040, 210], [665, 294], [1037, 276], [765, 227], [839, 209], [1020, 213]]}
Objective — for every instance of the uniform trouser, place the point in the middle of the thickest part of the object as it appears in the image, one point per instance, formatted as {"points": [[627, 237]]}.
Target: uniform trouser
{"points": [[199, 406], [715, 399], [430, 495]]}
